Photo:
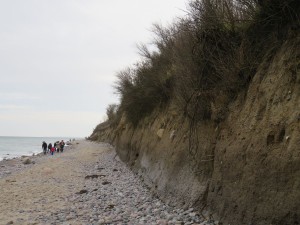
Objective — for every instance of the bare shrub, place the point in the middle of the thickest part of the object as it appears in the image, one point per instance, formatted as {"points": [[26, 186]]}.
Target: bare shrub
{"points": [[146, 86], [111, 111], [204, 48], [204, 60]]}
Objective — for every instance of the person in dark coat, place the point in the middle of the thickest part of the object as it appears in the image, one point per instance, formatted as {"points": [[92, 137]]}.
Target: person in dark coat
{"points": [[49, 147], [57, 146], [44, 146], [62, 145]]}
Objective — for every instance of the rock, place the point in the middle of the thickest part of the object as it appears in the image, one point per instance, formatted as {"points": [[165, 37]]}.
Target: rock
{"points": [[11, 181], [162, 222], [82, 192], [106, 182], [179, 223], [98, 168], [26, 161], [94, 176], [287, 138], [111, 206], [172, 134], [69, 217], [160, 133], [101, 221]]}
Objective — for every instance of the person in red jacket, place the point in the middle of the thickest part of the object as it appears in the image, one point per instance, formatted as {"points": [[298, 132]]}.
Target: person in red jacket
{"points": [[52, 150]]}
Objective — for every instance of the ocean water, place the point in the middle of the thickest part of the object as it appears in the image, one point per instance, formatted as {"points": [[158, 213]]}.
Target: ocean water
{"points": [[11, 147]]}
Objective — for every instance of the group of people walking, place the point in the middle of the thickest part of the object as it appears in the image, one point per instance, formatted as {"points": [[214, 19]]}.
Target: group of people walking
{"points": [[57, 147]]}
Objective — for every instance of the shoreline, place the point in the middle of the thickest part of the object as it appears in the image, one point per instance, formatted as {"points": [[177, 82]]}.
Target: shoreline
{"points": [[12, 165], [10, 157], [15, 147]]}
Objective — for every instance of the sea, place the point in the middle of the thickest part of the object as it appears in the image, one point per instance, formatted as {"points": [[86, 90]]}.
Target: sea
{"points": [[12, 147]]}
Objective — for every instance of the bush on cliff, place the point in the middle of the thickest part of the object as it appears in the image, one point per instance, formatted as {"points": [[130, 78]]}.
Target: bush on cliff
{"points": [[203, 61]]}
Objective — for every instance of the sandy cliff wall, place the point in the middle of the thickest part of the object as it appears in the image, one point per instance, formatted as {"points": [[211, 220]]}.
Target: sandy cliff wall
{"points": [[244, 170], [256, 174]]}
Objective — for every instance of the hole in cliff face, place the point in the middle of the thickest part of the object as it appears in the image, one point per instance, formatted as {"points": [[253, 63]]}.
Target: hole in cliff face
{"points": [[281, 135], [270, 138], [136, 155]]}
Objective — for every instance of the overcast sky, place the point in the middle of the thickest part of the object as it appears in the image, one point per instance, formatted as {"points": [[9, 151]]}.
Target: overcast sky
{"points": [[59, 58]]}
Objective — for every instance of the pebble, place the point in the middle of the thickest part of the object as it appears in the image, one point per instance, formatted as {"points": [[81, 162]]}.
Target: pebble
{"points": [[119, 197]]}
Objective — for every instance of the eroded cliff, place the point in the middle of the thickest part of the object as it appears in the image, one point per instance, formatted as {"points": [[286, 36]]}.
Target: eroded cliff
{"points": [[243, 170]]}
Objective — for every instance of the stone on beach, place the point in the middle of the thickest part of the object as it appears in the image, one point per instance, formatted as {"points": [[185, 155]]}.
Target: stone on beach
{"points": [[82, 192], [27, 161]]}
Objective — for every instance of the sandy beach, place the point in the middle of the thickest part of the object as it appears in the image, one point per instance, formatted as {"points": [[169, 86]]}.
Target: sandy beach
{"points": [[31, 190], [86, 184]]}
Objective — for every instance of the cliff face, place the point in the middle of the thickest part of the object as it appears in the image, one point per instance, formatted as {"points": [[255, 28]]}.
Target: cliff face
{"points": [[244, 170], [257, 155]]}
